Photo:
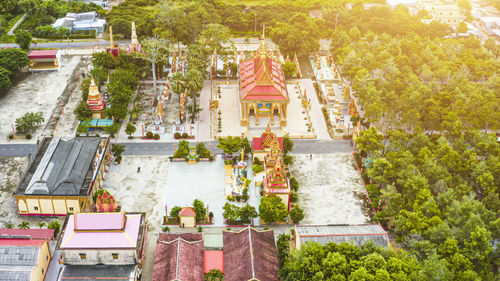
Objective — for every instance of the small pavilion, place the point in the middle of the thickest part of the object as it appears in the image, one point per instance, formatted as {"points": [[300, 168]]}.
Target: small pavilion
{"points": [[187, 217], [263, 92], [41, 60]]}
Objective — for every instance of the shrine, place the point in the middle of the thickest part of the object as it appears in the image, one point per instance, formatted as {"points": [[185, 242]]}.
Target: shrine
{"points": [[96, 101], [263, 92], [262, 145], [276, 182], [134, 45]]}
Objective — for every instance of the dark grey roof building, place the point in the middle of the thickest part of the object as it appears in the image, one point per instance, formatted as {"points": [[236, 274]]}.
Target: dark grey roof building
{"points": [[63, 169], [357, 234]]}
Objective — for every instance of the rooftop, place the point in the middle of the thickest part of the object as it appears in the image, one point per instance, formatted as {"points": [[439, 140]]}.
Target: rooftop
{"points": [[62, 167], [179, 257], [187, 212], [43, 54], [27, 233], [98, 272], [357, 234], [213, 260], [18, 261], [103, 231], [250, 254]]}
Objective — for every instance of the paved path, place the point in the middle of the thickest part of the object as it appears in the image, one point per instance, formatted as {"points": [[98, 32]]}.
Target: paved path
{"points": [[11, 31], [301, 147], [12, 150], [63, 44]]}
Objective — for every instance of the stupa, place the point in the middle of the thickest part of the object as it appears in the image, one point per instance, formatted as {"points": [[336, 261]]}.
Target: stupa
{"points": [[134, 45], [96, 101]]}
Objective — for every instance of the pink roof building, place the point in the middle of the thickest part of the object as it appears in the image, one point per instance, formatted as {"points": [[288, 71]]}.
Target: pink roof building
{"points": [[41, 60], [103, 238]]}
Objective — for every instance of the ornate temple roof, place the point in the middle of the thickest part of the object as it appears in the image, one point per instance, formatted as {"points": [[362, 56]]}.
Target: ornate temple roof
{"points": [[261, 78], [265, 140]]}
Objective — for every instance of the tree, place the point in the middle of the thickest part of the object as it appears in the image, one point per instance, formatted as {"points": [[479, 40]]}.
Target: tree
{"points": [[193, 82], [23, 39], [287, 145], [202, 151], [214, 275], [199, 209], [369, 142], [28, 121], [130, 129], [288, 160], [231, 212], [5, 82], [229, 144], [56, 225], [289, 69], [294, 184], [121, 26], [296, 214], [462, 28], [247, 213], [100, 75], [125, 76], [214, 35], [117, 149], [13, 59], [154, 50], [272, 209], [24, 225], [83, 111], [9, 225], [63, 31], [174, 213], [103, 60], [41, 224]]}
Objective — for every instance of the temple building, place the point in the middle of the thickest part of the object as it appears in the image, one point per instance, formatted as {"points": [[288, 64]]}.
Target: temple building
{"points": [[96, 101], [102, 246], [41, 60], [263, 92], [63, 177], [262, 145]]}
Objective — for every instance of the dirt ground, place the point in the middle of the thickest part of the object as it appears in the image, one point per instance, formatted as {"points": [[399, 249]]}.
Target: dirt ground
{"points": [[330, 189], [38, 91], [10, 168]]}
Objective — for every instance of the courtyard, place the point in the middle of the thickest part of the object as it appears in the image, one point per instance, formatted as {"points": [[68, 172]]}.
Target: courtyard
{"points": [[330, 189]]}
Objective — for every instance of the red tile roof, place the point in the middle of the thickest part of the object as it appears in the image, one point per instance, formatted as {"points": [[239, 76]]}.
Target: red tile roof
{"points": [[213, 260], [187, 212], [250, 254], [262, 79], [32, 233], [21, 242], [178, 259], [43, 54]]}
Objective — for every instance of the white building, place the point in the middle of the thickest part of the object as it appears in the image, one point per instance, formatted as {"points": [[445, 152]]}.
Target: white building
{"points": [[81, 21]]}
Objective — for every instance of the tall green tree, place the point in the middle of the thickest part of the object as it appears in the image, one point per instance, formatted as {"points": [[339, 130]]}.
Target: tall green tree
{"points": [[272, 209], [23, 39]]}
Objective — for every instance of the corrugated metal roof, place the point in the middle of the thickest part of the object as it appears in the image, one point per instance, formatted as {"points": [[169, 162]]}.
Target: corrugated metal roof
{"points": [[63, 167], [17, 262], [357, 234]]}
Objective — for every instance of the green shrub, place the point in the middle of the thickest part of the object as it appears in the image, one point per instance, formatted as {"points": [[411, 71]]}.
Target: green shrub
{"points": [[294, 197], [177, 136], [294, 184], [149, 135], [256, 168], [28, 136], [185, 135], [156, 137], [11, 136]]}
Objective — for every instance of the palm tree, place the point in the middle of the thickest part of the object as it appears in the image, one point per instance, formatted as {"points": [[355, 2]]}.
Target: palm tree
{"points": [[24, 225], [41, 224], [9, 226], [56, 225]]}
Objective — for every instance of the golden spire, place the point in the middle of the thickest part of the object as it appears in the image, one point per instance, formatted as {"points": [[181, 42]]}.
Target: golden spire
{"points": [[111, 37]]}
